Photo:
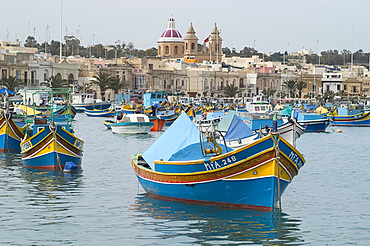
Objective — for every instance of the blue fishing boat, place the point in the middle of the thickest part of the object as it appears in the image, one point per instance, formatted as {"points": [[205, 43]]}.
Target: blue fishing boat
{"points": [[100, 113], [10, 134], [49, 145], [195, 168], [361, 119], [312, 122]]}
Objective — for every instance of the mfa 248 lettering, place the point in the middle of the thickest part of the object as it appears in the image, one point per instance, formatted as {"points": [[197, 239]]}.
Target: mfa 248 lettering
{"points": [[296, 159], [220, 163]]}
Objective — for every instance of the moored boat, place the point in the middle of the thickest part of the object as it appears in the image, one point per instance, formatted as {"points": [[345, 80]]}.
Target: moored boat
{"points": [[100, 113], [158, 123], [254, 176], [361, 119], [10, 134], [132, 124], [50, 145]]}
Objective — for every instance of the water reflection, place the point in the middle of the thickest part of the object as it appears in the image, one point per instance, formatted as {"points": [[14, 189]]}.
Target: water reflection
{"points": [[52, 180], [10, 159], [215, 225]]}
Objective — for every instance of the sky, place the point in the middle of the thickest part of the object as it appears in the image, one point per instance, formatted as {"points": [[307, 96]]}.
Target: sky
{"points": [[267, 26]]}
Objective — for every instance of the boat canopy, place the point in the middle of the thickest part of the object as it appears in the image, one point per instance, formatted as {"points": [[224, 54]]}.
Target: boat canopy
{"points": [[28, 110], [180, 134], [237, 130], [287, 111], [321, 110], [192, 152], [225, 122]]}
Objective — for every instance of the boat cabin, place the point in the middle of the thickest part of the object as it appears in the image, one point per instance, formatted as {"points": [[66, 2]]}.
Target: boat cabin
{"points": [[151, 97], [135, 118]]}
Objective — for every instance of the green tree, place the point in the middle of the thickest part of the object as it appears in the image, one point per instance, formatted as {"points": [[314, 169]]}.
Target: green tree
{"points": [[55, 82], [281, 94], [231, 90], [30, 42], [329, 95], [72, 45], [291, 87], [300, 85], [268, 92], [116, 84], [11, 83], [103, 80], [341, 93], [54, 47]]}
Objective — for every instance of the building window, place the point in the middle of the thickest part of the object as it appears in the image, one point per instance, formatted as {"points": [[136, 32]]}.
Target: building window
{"points": [[176, 48], [338, 87], [192, 46], [167, 50], [314, 88], [150, 66], [241, 83], [354, 88], [327, 88]]}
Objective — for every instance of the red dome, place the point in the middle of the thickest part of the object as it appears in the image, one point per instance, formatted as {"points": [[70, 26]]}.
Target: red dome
{"points": [[171, 34]]}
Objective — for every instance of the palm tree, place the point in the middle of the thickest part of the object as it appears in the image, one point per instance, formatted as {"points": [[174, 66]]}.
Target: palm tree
{"points": [[329, 95], [268, 92], [291, 86], [55, 82], [116, 84], [11, 82], [231, 90], [300, 85], [281, 94], [103, 80], [341, 93]]}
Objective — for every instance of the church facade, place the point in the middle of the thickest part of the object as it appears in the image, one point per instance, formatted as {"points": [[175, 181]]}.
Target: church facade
{"points": [[171, 44]]}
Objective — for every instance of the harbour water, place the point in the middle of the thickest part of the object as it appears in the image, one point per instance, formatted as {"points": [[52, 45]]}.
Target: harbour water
{"points": [[326, 204]]}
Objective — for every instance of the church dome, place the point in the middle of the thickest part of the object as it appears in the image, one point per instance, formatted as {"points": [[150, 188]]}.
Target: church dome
{"points": [[171, 34]]}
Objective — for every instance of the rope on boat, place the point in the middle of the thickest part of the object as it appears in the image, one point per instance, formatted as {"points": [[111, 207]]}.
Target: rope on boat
{"points": [[275, 138], [53, 128]]}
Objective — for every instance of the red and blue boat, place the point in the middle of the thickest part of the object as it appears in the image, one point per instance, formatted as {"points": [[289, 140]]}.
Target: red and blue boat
{"points": [[198, 169]]}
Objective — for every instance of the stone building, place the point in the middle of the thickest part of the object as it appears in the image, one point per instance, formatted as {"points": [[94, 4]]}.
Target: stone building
{"points": [[352, 86]]}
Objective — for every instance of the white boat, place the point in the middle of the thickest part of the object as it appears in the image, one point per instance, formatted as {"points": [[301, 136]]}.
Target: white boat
{"points": [[259, 104], [83, 101], [132, 124]]}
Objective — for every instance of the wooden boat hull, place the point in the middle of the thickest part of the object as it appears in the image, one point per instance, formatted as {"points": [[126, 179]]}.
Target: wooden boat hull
{"points": [[100, 113], [246, 177], [315, 125], [48, 151], [107, 123], [362, 119], [10, 135], [158, 124]]}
